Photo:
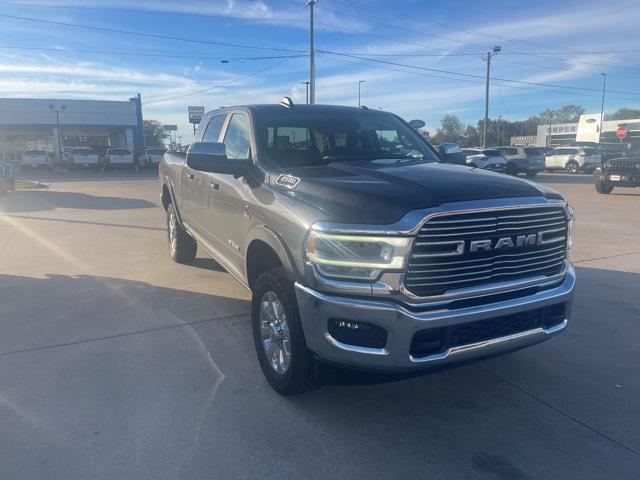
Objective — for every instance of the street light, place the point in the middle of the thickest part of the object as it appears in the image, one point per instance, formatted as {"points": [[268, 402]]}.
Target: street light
{"points": [[58, 110], [307, 84], [604, 86], [490, 54], [360, 82]]}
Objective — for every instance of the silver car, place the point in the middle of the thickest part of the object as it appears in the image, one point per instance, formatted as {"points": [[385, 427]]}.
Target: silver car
{"points": [[523, 159], [485, 158], [573, 159]]}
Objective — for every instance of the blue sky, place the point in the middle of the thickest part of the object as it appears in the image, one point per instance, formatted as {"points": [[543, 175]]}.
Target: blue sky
{"points": [[559, 43]]}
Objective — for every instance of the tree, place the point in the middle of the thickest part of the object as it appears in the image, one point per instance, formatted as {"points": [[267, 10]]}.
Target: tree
{"points": [[470, 137], [623, 114], [154, 134], [451, 128], [569, 113]]}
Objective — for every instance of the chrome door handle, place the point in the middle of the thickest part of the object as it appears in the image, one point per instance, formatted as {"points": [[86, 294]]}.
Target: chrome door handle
{"points": [[214, 185], [189, 176]]}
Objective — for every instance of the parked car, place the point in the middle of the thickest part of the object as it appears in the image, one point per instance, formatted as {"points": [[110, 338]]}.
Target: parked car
{"points": [[153, 156], [118, 157], [7, 179], [360, 247], [36, 159], [522, 159], [451, 153], [618, 172], [84, 157], [573, 159], [485, 158]]}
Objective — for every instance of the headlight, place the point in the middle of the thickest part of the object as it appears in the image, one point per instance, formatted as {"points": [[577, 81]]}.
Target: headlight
{"points": [[356, 257], [571, 215]]}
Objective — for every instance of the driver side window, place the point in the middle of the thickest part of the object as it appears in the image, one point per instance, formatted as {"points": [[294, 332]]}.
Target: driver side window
{"points": [[238, 137]]}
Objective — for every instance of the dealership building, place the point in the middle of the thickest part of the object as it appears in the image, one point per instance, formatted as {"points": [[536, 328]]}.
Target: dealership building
{"points": [[53, 124], [588, 129]]}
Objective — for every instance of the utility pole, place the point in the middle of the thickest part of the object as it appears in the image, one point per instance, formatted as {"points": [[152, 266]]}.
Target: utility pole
{"points": [[58, 110], [498, 142], [307, 84], [360, 82], [490, 54], [312, 54], [604, 87], [549, 130]]}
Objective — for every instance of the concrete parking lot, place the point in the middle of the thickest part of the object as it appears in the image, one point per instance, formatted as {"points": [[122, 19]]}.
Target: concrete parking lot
{"points": [[116, 363]]}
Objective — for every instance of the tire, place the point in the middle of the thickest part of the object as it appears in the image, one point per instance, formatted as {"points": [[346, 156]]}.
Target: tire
{"points": [[512, 169], [287, 376], [182, 247], [532, 174], [603, 187], [573, 167]]}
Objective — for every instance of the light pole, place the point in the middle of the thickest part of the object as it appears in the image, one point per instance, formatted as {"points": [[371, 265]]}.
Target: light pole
{"points": [[549, 130], [604, 86], [312, 59], [490, 54], [360, 82], [307, 84], [58, 110], [498, 142]]}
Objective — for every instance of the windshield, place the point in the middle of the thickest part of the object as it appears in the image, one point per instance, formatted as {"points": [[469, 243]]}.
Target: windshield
{"points": [[82, 151], [118, 151], [533, 151], [35, 152], [492, 153], [305, 139]]}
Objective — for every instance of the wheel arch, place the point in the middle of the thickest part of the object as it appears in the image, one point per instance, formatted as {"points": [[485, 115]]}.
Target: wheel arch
{"points": [[266, 250]]}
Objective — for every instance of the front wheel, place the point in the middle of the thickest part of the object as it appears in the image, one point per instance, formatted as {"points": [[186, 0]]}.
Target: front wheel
{"points": [[512, 169], [182, 247], [279, 340], [532, 174], [573, 167], [603, 187]]}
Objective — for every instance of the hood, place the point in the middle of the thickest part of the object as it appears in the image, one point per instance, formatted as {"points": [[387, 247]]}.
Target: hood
{"points": [[375, 192]]}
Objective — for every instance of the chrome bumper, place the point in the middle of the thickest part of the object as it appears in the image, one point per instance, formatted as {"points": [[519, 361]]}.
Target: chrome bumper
{"points": [[316, 309]]}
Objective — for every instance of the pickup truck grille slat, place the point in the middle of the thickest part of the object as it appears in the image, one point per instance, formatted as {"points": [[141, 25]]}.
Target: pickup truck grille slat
{"points": [[430, 273]]}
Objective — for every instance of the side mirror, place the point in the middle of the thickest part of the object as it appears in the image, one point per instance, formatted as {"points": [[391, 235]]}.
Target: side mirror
{"points": [[212, 157]]}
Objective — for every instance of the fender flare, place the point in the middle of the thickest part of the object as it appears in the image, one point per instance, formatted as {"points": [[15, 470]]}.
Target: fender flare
{"points": [[269, 236], [169, 184]]}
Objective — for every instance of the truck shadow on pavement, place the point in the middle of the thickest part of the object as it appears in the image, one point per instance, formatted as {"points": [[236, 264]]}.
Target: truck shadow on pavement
{"points": [[565, 178], [23, 201]]}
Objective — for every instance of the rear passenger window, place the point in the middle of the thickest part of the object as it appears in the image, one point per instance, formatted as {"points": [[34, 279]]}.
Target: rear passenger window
{"points": [[212, 134]]}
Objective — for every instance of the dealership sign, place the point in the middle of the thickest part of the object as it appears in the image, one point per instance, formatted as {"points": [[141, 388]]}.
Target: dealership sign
{"points": [[195, 114], [170, 128]]}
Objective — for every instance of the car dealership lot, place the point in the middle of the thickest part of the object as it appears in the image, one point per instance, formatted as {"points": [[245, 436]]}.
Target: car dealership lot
{"points": [[117, 363]]}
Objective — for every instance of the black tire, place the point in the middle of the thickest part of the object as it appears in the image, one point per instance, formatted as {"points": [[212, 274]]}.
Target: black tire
{"points": [[300, 374], [603, 187], [531, 174], [573, 167], [185, 248], [512, 169]]}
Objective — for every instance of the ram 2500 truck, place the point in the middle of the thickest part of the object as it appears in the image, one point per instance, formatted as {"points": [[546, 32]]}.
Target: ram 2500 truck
{"points": [[362, 249]]}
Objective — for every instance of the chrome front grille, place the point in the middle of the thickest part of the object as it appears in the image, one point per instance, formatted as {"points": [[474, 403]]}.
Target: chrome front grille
{"points": [[442, 258]]}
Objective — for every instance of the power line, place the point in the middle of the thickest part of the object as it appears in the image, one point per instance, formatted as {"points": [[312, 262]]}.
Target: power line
{"points": [[221, 85], [470, 75], [450, 27], [143, 54], [149, 35]]}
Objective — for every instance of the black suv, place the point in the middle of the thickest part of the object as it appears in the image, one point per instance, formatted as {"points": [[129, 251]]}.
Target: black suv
{"points": [[618, 172]]}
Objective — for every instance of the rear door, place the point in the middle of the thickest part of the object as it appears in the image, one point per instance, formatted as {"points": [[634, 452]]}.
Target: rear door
{"points": [[194, 186], [228, 207]]}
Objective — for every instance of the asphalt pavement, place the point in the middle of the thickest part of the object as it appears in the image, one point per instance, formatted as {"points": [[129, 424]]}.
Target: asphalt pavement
{"points": [[116, 363]]}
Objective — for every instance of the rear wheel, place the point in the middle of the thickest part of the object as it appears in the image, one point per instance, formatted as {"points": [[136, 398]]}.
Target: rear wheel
{"points": [[279, 340], [573, 167], [512, 169], [182, 247], [603, 187], [531, 174]]}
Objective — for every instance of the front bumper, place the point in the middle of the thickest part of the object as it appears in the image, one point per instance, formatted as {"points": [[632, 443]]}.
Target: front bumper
{"points": [[401, 324]]}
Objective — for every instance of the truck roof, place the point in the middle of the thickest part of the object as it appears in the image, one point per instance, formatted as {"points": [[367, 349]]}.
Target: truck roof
{"points": [[278, 108]]}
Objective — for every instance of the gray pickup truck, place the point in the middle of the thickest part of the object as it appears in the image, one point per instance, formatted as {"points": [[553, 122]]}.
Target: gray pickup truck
{"points": [[361, 249]]}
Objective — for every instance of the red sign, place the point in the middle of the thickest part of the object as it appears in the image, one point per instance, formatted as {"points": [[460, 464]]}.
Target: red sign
{"points": [[622, 132]]}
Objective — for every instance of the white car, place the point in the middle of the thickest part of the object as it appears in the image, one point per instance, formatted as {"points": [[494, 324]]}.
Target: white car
{"points": [[573, 159], [485, 158], [120, 157], [83, 157], [36, 158], [153, 156]]}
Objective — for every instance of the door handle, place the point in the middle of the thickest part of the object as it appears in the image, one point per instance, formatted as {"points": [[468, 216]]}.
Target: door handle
{"points": [[214, 185], [189, 176]]}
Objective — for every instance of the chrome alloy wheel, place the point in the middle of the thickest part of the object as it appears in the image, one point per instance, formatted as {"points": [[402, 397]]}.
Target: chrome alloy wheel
{"points": [[274, 331], [173, 233]]}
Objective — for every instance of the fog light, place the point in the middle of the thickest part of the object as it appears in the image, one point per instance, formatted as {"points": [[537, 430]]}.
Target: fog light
{"points": [[359, 334]]}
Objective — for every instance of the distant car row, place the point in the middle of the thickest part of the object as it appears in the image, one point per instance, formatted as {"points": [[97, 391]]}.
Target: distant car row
{"points": [[92, 158], [513, 160]]}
